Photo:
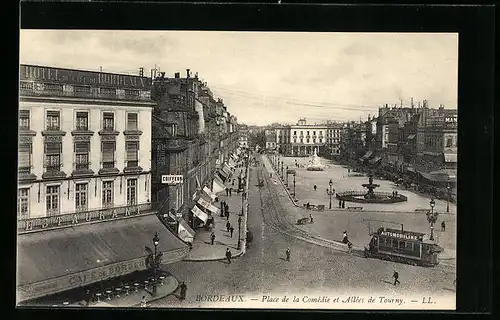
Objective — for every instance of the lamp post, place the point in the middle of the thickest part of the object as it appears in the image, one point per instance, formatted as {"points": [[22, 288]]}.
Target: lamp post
{"points": [[294, 185], [242, 201], [282, 170], [287, 176], [330, 193], [156, 241], [239, 233], [432, 218], [448, 188]]}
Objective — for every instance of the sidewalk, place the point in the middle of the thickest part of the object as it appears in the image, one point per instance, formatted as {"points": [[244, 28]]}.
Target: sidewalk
{"points": [[202, 249], [133, 299]]}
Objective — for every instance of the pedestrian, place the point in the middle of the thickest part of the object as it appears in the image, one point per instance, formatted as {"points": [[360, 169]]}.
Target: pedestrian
{"points": [[228, 225], [228, 255], [143, 302], [183, 290], [222, 206], [443, 226], [230, 190], [343, 204], [349, 246], [315, 187], [308, 205], [396, 277], [344, 237], [396, 192], [393, 193], [311, 217], [231, 229], [340, 204], [287, 253], [212, 237]]}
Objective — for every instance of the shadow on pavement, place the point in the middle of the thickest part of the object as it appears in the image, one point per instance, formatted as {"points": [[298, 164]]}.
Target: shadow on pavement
{"points": [[389, 282]]}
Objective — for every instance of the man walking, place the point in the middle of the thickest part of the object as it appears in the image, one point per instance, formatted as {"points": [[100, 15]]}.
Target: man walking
{"points": [[212, 237], [443, 226], [396, 277], [311, 217], [287, 252], [183, 288], [230, 190], [231, 229], [222, 206], [228, 225], [340, 204], [228, 255]]}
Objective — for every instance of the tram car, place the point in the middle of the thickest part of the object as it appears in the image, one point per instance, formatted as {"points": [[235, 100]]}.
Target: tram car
{"points": [[404, 247]]}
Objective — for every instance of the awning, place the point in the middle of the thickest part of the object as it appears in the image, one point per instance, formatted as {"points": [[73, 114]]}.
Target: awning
{"points": [[450, 157], [218, 186], [232, 162], [199, 214], [207, 205], [411, 136], [186, 233], [209, 193], [52, 261], [375, 160], [227, 169], [223, 175]]}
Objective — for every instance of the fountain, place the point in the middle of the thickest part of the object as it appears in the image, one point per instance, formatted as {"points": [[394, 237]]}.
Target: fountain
{"points": [[370, 196], [370, 186], [314, 163]]}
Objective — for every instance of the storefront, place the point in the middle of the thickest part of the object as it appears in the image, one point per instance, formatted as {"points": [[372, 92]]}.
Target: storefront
{"points": [[58, 260]]}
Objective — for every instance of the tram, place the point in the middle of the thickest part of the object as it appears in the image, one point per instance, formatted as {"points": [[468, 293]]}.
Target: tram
{"points": [[404, 247]]}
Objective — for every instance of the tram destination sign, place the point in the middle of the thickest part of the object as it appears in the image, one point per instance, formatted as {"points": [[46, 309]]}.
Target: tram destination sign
{"points": [[403, 235]]}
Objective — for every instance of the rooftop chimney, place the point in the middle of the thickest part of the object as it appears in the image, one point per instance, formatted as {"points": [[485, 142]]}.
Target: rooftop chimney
{"points": [[412, 102], [187, 73], [177, 75]]}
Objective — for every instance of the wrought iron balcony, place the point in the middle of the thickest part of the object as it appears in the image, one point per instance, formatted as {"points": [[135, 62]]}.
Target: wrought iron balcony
{"points": [[31, 91], [71, 219]]}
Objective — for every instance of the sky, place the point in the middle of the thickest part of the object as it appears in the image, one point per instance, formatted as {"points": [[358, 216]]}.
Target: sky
{"points": [[272, 77]]}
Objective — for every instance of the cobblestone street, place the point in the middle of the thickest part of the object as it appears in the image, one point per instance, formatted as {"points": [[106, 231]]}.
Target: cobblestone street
{"points": [[312, 270]]}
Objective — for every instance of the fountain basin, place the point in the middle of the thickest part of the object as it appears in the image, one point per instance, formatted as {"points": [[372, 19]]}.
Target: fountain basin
{"points": [[377, 197], [315, 169]]}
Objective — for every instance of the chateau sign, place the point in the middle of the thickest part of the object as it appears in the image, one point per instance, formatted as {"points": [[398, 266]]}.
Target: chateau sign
{"points": [[89, 78]]}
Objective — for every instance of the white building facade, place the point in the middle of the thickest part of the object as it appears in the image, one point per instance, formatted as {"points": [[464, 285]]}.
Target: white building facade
{"points": [[83, 147]]}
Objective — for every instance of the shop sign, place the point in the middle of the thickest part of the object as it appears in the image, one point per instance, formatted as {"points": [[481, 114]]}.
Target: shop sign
{"points": [[172, 179]]}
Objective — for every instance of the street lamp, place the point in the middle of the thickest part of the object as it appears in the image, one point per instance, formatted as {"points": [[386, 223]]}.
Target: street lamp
{"points": [[287, 176], [156, 241], [294, 185], [330, 193], [448, 188], [282, 170], [239, 233], [242, 201], [432, 217]]}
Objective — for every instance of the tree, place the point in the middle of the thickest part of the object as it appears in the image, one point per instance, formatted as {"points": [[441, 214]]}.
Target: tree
{"points": [[258, 138]]}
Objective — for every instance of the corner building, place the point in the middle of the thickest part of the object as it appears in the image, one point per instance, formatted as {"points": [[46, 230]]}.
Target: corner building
{"points": [[84, 180]]}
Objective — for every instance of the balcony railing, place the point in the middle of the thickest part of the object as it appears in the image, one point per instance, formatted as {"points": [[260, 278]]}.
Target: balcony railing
{"points": [[25, 169], [82, 165], [52, 168], [94, 94], [80, 217], [108, 164]]}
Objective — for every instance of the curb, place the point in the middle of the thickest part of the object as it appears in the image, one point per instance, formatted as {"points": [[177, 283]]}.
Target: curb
{"points": [[160, 297]]}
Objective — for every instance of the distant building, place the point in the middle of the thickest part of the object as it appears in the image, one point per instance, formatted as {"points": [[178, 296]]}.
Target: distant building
{"points": [[305, 138]]}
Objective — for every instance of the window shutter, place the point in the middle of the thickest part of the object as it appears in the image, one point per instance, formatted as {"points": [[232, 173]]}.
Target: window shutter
{"points": [[24, 154], [131, 147], [53, 147], [82, 147], [108, 151], [132, 120]]}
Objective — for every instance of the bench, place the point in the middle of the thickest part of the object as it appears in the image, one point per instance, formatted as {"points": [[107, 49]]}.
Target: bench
{"points": [[321, 207], [422, 210], [355, 208]]}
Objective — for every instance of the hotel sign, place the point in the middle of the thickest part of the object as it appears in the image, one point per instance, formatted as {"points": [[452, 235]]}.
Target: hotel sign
{"points": [[77, 77], [172, 179]]}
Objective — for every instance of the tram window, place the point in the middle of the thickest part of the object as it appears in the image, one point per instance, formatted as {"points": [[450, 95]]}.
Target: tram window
{"points": [[388, 242], [395, 243], [409, 246], [401, 245]]}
